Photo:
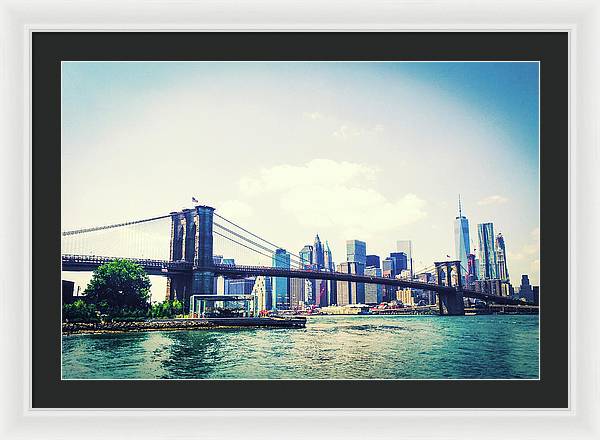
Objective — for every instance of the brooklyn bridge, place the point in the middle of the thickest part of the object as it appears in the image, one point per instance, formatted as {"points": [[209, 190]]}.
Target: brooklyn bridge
{"points": [[182, 246]]}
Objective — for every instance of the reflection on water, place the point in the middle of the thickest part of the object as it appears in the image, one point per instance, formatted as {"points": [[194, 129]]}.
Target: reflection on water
{"points": [[330, 347]]}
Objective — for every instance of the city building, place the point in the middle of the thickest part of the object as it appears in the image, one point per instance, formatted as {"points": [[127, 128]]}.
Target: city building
{"points": [[388, 267], [373, 292], [400, 262], [243, 286], [501, 258], [348, 292], [462, 243], [296, 293], [373, 261], [488, 266], [328, 258], [405, 296], [471, 269], [318, 253], [321, 293], [356, 251], [536, 295], [306, 255], [262, 292], [526, 291], [281, 259], [406, 247]]}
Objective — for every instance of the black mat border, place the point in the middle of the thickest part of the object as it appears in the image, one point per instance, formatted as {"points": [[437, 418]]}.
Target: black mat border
{"points": [[49, 48]]}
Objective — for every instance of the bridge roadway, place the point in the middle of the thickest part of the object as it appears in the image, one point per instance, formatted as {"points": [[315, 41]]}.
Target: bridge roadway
{"points": [[88, 263]]}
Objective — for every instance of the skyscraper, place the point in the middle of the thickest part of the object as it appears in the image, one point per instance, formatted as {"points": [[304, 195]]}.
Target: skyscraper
{"points": [[356, 251], [306, 255], [400, 262], [462, 244], [262, 292], [373, 292], [406, 247], [348, 292], [281, 300], [525, 291], [501, 256], [373, 261], [328, 258], [318, 254], [488, 266]]}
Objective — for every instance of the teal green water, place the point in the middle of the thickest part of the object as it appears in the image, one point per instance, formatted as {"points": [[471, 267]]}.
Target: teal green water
{"points": [[330, 347]]}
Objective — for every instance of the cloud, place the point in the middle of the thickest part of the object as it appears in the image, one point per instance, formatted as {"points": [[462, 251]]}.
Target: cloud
{"points": [[327, 194], [314, 116], [235, 209], [492, 200]]}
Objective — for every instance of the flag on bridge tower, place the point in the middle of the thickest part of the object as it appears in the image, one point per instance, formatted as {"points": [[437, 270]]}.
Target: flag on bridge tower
{"points": [[194, 199]]}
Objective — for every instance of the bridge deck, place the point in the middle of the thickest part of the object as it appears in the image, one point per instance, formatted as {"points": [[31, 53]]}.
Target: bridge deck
{"points": [[167, 268]]}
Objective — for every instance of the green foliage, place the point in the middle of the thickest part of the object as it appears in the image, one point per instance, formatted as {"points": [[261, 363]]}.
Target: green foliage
{"points": [[119, 288], [165, 309], [80, 311]]}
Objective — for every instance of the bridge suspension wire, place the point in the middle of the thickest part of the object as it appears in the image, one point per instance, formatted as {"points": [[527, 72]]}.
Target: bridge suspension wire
{"points": [[116, 225], [248, 247], [252, 242], [257, 236]]}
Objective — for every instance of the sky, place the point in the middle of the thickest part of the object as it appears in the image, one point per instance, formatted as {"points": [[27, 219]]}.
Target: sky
{"points": [[350, 150]]}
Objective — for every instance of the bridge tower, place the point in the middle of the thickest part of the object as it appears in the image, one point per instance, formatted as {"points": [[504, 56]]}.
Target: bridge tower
{"points": [[204, 276], [179, 286], [450, 303], [192, 242]]}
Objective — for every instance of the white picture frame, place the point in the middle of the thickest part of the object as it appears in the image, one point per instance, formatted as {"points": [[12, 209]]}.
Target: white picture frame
{"points": [[19, 19]]}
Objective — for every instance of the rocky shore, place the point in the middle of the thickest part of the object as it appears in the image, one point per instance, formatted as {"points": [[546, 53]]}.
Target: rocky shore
{"points": [[181, 324]]}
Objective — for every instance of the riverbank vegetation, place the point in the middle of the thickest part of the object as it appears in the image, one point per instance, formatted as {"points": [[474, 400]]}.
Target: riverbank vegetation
{"points": [[119, 291]]}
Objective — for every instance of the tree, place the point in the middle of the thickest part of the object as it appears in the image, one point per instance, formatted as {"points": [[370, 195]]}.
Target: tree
{"points": [[119, 284]]}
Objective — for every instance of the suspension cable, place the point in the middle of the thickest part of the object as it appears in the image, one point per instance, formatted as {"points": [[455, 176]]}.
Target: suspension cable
{"points": [[248, 247], [256, 236], [116, 225], [250, 241]]}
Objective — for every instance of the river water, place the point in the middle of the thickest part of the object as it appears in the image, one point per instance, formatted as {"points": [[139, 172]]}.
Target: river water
{"points": [[330, 347]]}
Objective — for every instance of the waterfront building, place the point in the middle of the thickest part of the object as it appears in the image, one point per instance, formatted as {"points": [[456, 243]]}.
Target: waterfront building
{"points": [[488, 266], [321, 293], [471, 269], [373, 261], [348, 292], [306, 255], [373, 292], [400, 262], [243, 286], [462, 243], [309, 288], [328, 258], [296, 293], [525, 291], [501, 258], [405, 296], [281, 259], [262, 292], [357, 253], [536, 295], [406, 247], [318, 253]]}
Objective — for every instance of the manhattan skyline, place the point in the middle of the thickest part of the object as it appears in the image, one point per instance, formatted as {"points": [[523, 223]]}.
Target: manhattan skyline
{"points": [[376, 152]]}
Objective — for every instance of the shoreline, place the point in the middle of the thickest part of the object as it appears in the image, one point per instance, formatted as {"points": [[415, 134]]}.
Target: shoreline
{"points": [[72, 328]]}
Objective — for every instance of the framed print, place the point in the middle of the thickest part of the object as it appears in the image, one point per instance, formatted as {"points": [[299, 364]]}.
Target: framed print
{"points": [[281, 224]]}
